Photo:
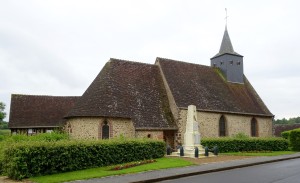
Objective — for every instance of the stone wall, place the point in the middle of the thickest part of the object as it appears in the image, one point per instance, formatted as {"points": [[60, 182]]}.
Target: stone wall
{"points": [[181, 124], [158, 135], [123, 127], [91, 127], [209, 125], [265, 127], [238, 124]]}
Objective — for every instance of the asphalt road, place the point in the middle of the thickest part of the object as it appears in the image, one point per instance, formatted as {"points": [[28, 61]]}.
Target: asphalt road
{"points": [[280, 172]]}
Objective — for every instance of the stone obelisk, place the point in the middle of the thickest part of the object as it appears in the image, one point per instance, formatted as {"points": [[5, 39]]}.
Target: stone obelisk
{"points": [[192, 135]]}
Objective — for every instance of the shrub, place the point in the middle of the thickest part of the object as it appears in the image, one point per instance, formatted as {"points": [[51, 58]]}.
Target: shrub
{"points": [[43, 137], [286, 134], [54, 136], [249, 144], [26, 159], [4, 132], [1, 157], [295, 139], [241, 136]]}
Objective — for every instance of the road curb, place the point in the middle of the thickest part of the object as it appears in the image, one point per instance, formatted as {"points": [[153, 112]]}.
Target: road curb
{"points": [[213, 170]]}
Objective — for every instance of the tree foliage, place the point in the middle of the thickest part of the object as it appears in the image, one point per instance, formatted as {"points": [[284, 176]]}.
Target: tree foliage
{"points": [[288, 121], [3, 124], [2, 113]]}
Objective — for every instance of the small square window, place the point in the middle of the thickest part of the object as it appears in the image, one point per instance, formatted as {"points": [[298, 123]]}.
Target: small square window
{"points": [[231, 62], [221, 63], [238, 63]]}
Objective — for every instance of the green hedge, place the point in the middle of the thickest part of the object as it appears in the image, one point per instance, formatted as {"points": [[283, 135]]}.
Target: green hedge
{"points": [[295, 139], [286, 134], [250, 144], [41, 158]]}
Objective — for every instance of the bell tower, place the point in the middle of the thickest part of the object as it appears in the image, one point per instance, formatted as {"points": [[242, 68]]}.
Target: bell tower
{"points": [[228, 61]]}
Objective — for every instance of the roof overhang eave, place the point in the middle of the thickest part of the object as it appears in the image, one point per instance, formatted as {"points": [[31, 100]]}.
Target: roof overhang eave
{"points": [[33, 127], [230, 112], [156, 129], [234, 54]]}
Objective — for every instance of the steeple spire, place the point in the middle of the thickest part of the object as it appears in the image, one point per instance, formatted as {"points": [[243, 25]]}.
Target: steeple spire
{"points": [[226, 46]]}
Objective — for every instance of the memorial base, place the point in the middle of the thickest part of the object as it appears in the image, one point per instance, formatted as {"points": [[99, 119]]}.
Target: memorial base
{"points": [[189, 152]]}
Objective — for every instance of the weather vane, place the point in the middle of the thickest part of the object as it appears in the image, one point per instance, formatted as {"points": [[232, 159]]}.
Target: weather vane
{"points": [[226, 16]]}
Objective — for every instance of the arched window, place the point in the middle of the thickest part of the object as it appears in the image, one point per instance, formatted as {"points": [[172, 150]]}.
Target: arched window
{"points": [[69, 129], [105, 130], [222, 126], [253, 127]]}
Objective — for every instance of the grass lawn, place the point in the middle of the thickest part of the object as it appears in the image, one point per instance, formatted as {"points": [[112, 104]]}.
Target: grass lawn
{"points": [[274, 153], [161, 163]]}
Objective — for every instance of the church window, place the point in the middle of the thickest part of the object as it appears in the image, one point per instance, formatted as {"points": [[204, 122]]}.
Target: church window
{"points": [[105, 130], [222, 126], [69, 128], [253, 127]]}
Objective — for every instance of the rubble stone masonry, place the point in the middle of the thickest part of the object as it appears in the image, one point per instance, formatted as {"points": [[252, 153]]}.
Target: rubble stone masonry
{"points": [[91, 128], [158, 135], [209, 125]]}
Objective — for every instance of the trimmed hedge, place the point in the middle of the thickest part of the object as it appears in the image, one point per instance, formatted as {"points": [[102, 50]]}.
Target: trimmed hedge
{"points": [[295, 139], [250, 144], [6, 141], [286, 134], [41, 158]]}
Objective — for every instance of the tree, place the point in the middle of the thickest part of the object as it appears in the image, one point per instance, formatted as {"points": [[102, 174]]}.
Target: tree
{"points": [[287, 121], [2, 113]]}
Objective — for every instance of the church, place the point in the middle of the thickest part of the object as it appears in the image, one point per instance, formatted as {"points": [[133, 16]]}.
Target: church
{"points": [[139, 100]]}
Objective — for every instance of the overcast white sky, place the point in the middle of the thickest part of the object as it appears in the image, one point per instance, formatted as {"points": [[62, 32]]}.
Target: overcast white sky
{"points": [[57, 47]]}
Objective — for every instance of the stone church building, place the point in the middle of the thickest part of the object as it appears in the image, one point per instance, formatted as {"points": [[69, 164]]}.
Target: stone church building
{"points": [[135, 100]]}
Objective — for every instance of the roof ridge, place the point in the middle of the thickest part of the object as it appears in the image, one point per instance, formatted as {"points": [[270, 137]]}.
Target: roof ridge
{"points": [[134, 62], [181, 61], [14, 94]]}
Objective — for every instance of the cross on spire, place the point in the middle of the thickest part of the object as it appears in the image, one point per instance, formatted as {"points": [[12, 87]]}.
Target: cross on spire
{"points": [[226, 17]]}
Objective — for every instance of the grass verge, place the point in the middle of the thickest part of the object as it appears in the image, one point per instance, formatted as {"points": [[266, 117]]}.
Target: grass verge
{"points": [[162, 163], [273, 153]]}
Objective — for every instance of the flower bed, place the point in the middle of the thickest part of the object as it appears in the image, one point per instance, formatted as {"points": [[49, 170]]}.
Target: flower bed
{"points": [[129, 165]]}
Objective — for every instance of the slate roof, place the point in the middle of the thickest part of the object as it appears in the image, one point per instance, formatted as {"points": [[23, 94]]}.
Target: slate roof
{"points": [[38, 111], [127, 89], [226, 46], [203, 86]]}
